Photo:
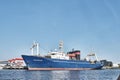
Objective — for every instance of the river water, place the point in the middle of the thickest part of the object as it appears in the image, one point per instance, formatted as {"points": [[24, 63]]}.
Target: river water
{"points": [[108, 74]]}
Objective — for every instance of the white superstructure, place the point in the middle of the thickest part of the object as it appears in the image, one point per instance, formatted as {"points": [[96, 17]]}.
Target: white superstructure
{"points": [[58, 55]]}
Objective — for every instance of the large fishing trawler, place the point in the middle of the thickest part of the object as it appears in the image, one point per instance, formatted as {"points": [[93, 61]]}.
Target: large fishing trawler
{"points": [[58, 60]]}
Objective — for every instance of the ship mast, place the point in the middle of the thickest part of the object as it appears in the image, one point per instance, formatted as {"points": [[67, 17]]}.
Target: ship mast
{"points": [[61, 46], [32, 50], [37, 44]]}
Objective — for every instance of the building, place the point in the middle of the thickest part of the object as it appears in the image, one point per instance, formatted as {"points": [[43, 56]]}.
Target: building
{"points": [[107, 63]]}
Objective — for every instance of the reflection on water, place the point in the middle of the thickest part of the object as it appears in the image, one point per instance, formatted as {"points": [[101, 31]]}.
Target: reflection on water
{"points": [[59, 75]]}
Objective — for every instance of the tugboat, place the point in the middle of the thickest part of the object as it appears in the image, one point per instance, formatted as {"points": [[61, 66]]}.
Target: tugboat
{"points": [[58, 60]]}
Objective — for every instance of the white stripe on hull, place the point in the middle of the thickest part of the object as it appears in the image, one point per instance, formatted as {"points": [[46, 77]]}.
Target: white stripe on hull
{"points": [[60, 68]]}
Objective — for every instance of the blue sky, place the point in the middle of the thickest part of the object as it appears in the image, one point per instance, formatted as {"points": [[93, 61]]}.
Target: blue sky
{"points": [[81, 24]]}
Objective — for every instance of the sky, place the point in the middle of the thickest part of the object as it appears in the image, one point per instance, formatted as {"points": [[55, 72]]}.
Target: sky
{"points": [[84, 25]]}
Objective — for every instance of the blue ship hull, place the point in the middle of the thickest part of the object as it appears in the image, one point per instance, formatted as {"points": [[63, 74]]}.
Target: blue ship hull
{"points": [[42, 63]]}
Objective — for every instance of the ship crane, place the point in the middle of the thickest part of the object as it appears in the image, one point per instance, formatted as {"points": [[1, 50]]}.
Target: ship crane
{"points": [[90, 56], [35, 46]]}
